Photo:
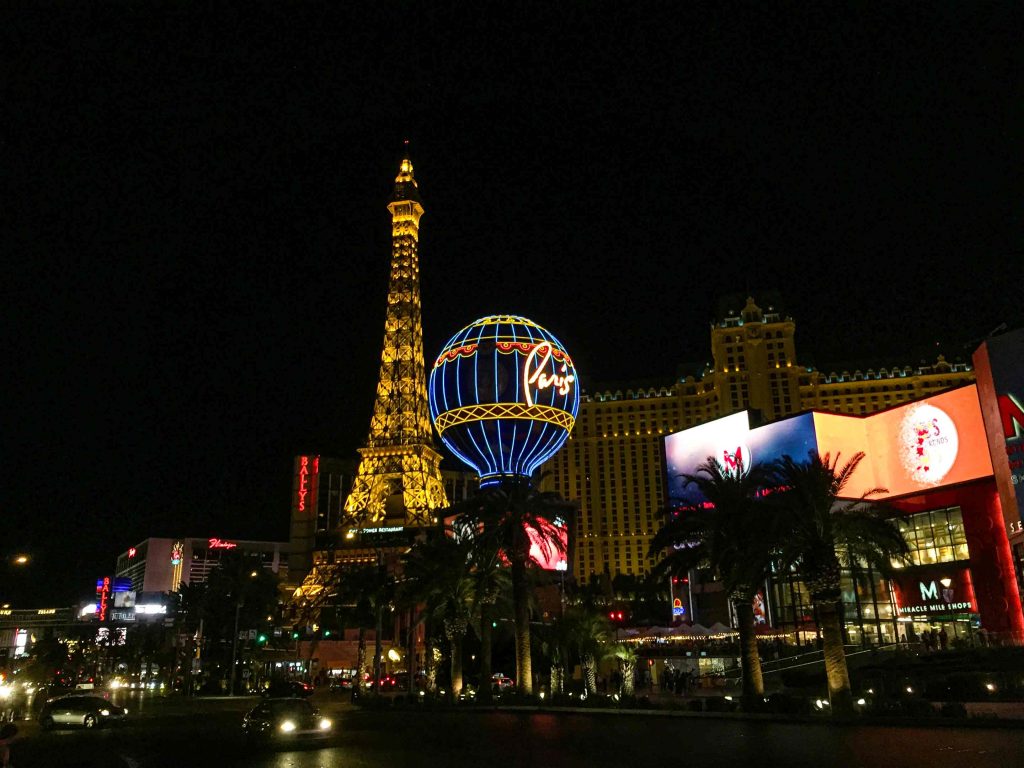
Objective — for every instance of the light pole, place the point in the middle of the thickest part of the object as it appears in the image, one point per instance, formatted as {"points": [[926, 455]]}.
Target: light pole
{"points": [[234, 645]]}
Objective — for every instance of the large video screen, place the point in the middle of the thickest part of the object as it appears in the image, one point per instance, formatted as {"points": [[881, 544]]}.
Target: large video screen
{"points": [[730, 440], [934, 442], [919, 446]]}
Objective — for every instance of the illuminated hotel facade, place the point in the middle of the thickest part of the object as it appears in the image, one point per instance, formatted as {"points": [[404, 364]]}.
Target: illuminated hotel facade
{"points": [[613, 464], [159, 565]]}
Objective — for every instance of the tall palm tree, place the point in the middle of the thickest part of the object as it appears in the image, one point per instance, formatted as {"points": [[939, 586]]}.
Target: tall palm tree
{"points": [[825, 533], [734, 537], [439, 574], [513, 515], [491, 584]]}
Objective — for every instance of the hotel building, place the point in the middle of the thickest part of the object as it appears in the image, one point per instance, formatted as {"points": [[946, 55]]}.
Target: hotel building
{"points": [[613, 464]]}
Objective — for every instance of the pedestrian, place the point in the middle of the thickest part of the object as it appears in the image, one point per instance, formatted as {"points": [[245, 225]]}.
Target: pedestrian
{"points": [[943, 638], [935, 639]]}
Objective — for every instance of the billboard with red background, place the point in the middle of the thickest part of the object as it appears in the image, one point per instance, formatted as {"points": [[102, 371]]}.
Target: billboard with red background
{"points": [[999, 366]]}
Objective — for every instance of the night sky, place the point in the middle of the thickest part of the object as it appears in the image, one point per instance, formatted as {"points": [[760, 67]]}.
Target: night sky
{"points": [[196, 243]]}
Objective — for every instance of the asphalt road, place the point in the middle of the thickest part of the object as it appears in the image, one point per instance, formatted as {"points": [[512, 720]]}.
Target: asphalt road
{"points": [[209, 734]]}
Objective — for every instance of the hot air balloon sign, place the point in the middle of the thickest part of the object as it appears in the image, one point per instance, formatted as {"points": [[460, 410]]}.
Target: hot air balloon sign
{"points": [[504, 396]]}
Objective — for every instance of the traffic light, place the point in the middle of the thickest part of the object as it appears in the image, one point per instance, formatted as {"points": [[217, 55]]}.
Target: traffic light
{"points": [[261, 639], [327, 633], [295, 635]]}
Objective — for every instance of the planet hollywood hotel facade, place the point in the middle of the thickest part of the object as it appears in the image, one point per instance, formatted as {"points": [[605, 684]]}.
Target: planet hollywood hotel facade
{"points": [[933, 458]]}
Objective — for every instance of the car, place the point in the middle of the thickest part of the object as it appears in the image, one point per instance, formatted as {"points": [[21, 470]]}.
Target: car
{"points": [[284, 720], [282, 689], [86, 711], [501, 683], [341, 684]]}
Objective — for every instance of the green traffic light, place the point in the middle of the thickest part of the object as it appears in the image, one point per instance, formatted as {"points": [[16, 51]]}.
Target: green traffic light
{"points": [[327, 633], [295, 635], [261, 639]]}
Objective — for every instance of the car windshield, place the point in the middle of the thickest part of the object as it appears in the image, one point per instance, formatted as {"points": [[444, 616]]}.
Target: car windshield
{"points": [[292, 707]]}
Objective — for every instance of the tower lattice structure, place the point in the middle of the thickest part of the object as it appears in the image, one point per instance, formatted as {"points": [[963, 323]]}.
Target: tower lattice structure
{"points": [[399, 458]]}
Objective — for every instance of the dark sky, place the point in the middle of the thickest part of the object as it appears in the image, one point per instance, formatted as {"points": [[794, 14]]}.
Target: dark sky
{"points": [[197, 245]]}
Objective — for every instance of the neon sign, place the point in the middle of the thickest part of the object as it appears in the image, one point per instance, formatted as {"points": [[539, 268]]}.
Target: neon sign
{"points": [[104, 591], [131, 552], [176, 553], [535, 376], [503, 396], [303, 482], [221, 544]]}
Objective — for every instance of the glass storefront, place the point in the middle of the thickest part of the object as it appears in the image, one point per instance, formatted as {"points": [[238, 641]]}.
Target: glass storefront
{"points": [[870, 612]]}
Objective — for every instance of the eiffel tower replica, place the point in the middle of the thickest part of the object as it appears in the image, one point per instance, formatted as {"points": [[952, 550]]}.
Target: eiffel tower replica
{"points": [[398, 487], [399, 478]]}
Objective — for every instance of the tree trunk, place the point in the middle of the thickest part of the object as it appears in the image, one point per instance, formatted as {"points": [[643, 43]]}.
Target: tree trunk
{"points": [[378, 647], [410, 651], [456, 648], [484, 694], [521, 599], [589, 672], [839, 693], [753, 680], [429, 667], [628, 677], [360, 659], [557, 679]]}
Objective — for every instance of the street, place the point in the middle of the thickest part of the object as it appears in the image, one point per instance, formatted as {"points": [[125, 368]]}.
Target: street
{"points": [[207, 733]]}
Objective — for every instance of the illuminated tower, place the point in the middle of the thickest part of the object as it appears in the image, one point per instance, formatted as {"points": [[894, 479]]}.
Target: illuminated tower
{"points": [[399, 477]]}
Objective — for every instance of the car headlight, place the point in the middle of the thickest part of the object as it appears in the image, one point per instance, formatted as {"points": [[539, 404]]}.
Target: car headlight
{"points": [[288, 726], [325, 724], [105, 712]]}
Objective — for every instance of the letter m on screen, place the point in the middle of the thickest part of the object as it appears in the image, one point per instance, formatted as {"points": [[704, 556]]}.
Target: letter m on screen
{"points": [[930, 592]]}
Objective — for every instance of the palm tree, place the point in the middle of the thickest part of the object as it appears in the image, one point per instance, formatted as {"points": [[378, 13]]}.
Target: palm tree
{"points": [[590, 633], [511, 516], [626, 654], [824, 534], [491, 583], [439, 575], [732, 536]]}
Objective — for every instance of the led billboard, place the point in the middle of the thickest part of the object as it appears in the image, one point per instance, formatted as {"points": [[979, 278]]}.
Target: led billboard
{"points": [[934, 442], [548, 557], [999, 364], [730, 440], [916, 447]]}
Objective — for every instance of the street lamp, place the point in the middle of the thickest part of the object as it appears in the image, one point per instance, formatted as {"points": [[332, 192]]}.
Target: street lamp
{"points": [[21, 559], [234, 644]]}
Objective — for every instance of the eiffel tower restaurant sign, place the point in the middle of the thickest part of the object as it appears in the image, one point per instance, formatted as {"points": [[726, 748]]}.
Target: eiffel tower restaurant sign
{"points": [[504, 395]]}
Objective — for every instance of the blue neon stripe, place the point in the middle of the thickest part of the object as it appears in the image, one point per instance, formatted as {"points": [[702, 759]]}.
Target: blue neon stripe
{"points": [[487, 443]]}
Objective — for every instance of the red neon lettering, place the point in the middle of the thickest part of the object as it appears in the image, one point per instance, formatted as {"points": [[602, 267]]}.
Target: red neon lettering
{"points": [[104, 596], [1012, 414], [221, 544], [131, 552], [303, 479]]}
